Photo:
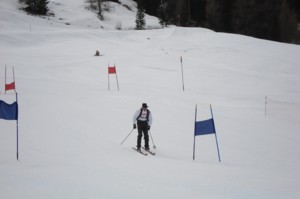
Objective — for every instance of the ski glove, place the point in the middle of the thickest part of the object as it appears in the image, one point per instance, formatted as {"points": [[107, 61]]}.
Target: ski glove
{"points": [[134, 126]]}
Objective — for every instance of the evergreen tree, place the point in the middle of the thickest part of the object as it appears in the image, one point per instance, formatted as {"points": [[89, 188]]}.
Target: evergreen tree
{"points": [[37, 7], [162, 15], [140, 17], [288, 24], [258, 18], [169, 9], [151, 6], [295, 7], [227, 14], [214, 15], [197, 8], [182, 12]]}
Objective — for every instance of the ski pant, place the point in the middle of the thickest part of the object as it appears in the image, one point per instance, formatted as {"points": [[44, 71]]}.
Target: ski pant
{"points": [[142, 130]]}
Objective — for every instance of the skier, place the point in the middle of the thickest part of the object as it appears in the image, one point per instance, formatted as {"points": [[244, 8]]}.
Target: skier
{"points": [[142, 119]]}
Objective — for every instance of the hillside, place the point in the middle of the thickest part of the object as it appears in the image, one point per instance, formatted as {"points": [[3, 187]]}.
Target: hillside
{"points": [[71, 125]]}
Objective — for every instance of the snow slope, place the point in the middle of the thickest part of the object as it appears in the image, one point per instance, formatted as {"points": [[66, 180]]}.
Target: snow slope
{"points": [[71, 126]]}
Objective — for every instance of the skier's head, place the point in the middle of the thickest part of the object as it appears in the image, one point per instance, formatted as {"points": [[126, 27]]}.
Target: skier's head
{"points": [[144, 105]]}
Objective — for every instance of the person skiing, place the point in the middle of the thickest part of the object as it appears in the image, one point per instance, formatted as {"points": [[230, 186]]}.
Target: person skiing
{"points": [[142, 120]]}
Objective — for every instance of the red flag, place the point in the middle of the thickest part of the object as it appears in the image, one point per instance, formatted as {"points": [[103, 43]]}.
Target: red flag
{"points": [[112, 70], [10, 86]]}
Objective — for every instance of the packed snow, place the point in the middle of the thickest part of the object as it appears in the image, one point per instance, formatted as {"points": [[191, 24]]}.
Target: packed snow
{"points": [[71, 126]]}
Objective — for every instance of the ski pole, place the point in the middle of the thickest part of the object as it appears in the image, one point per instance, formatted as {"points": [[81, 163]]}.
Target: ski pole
{"points": [[127, 136], [152, 140]]}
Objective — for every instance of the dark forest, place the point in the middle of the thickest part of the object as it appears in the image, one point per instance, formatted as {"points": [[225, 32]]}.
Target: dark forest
{"points": [[275, 20]]}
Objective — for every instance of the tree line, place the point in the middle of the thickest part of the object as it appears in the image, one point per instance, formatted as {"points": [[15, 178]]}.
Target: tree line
{"points": [[275, 20]]}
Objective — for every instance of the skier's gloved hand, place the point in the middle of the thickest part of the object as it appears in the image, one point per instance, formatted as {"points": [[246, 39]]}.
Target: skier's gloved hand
{"points": [[148, 127], [134, 126]]}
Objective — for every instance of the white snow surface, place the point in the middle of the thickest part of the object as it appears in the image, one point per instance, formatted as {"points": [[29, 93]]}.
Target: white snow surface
{"points": [[71, 126]]}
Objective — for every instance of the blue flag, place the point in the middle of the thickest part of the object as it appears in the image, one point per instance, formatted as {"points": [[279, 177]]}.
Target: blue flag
{"points": [[205, 127], [8, 111]]}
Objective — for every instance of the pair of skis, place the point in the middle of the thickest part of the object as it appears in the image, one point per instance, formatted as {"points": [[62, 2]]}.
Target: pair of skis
{"points": [[144, 151]]}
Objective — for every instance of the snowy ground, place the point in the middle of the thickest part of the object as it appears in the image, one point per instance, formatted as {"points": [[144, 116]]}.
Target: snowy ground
{"points": [[71, 126]]}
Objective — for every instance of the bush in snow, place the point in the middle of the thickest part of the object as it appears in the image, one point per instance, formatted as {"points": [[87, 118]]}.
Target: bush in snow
{"points": [[37, 7]]}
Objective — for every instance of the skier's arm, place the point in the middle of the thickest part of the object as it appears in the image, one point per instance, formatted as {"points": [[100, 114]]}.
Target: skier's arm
{"points": [[150, 119], [136, 114]]}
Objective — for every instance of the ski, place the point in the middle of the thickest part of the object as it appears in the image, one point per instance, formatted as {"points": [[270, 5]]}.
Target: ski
{"points": [[139, 151], [151, 152]]}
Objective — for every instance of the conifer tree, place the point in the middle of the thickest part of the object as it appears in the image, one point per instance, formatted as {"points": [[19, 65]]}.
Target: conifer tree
{"points": [[288, 24], [140, 17], [162, 15], [37, 7], [182, 11]]}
